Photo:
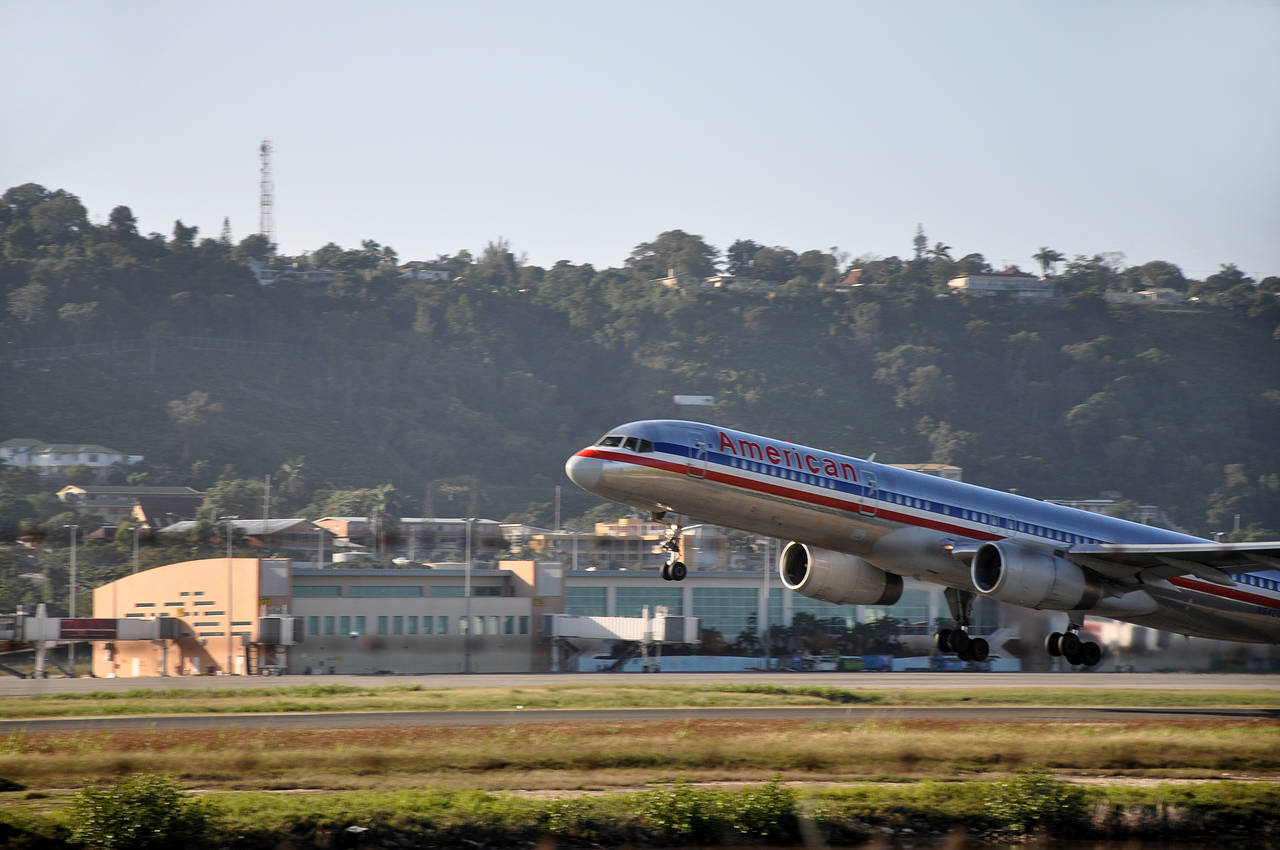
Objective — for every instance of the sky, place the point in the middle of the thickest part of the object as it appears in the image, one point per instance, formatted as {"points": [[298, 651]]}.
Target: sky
{"points": [[577, 130]]}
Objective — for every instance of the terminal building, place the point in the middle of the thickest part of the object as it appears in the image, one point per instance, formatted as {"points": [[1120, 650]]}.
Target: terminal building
{"points": [[255, 615]]}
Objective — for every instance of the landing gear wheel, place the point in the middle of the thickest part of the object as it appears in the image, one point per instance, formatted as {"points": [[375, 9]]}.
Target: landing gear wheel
{"points": [[678, 571], [979, 649], [1090, 653], [942, 640], [965, 654], [666, 572], [1053, 644], [960, 644], [1070, 646]]}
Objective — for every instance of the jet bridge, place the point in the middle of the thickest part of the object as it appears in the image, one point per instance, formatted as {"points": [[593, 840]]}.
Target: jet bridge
{"points": [[569, 633]]}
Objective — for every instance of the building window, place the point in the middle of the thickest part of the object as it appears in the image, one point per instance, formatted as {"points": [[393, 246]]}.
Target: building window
{"points": [[509, 626], [728, 610], [492, 625], [384, 590], [315, 590], [382, 625], [412, 623], [524, 625], [631, 601], [328, 625], [585, 601], [442, 625], [313, 625], [427, 623], [145, 605], [205, 602], [448, 590], [397, 625], [344, 625], [359, 625]]}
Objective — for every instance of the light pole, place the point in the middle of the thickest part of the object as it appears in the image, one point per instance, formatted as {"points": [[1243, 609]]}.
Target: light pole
{"points": [[319, 548], [71, 603], [466, 592], [230, 521], [136, 529]]}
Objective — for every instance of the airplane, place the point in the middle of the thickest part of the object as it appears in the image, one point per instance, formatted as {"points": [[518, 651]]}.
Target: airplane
{"points": [[856, 527]]}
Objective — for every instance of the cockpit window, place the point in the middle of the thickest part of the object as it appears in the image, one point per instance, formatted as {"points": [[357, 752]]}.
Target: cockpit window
{"points": [[634, 444]]}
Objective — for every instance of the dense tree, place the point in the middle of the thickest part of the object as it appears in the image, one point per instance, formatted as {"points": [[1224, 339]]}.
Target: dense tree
{"points": [[191, 414], [688, 255], [1047, 258]]}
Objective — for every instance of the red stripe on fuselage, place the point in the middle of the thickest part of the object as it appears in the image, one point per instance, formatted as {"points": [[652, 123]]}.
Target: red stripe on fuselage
{"points": [[1225, 592], [792, 493]]}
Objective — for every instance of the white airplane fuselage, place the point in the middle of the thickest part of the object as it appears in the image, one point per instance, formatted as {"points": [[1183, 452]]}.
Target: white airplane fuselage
{"points": [[907, 523]]}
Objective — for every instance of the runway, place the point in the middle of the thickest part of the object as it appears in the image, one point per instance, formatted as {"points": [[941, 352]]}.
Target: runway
{"points": [[517, 717], [871, 682], [14, 687]]}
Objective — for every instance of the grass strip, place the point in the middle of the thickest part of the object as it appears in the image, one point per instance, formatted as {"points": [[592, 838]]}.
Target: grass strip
{"points": [[346, 698], [604, 754], [765, 814]]}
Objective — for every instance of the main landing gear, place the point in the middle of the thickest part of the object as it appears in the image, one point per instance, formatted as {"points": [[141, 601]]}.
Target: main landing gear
{"points": [[1078, 653], [957, 640], [674, 569]]}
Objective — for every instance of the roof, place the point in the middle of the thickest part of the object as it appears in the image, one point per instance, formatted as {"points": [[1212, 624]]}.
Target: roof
{"points": [[125, 490], [248, 526], [77, 448]]}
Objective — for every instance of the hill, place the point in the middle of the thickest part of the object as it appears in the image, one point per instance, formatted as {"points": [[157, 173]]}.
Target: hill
{"points": [[495, 375]]}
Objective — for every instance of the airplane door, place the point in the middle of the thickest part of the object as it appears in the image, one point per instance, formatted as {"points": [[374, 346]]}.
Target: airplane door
{"points": [[699, 446], [870, 492]]}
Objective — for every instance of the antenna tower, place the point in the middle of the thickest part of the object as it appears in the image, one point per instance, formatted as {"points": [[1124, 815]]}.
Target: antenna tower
{"points": [[266, 195]]}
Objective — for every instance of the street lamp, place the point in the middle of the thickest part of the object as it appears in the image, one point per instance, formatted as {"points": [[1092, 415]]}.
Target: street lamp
{"points": [[229, 520], [466, 592], [136, 529], [319, 548], [71, 605]]}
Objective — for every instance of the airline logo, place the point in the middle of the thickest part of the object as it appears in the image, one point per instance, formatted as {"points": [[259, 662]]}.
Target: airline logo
{"points": [[789, 457]]}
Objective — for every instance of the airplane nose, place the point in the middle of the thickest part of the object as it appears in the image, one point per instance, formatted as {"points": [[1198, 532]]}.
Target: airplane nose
{"points": [[584, 471]]}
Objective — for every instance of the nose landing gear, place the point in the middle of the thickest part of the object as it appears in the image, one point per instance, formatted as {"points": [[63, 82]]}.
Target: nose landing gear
{"points": [[674, 569]]}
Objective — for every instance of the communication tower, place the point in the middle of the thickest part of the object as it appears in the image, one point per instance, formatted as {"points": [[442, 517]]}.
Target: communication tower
{"points": [[266, 195]]}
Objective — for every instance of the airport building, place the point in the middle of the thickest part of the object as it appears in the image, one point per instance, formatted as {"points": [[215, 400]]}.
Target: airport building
{"points": [[251, 615]]}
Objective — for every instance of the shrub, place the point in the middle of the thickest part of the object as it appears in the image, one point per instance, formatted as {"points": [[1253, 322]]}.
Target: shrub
{"points": [[141, 812], [1033, 801]]}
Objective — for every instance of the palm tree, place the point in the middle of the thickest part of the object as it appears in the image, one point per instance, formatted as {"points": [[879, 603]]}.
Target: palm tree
{"points": [[1047, 258], [940, 252]]}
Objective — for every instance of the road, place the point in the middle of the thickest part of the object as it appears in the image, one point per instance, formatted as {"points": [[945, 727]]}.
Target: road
{"points": [[516, 717], [14, 687], [852, 681]]}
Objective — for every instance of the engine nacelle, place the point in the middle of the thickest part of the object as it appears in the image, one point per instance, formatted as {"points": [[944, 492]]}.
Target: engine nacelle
{"points": [[836, 577], [1033, 579]]}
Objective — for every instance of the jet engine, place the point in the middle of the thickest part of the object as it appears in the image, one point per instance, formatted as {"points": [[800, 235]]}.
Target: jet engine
{"points": [[1033, 579], [836, 577]]}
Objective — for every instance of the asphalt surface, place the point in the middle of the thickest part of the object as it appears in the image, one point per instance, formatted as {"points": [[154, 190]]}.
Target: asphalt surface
{"points": [[514, 717], [12, 687], [517, 715]]}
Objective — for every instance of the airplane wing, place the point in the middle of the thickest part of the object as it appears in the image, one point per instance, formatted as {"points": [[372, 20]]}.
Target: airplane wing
{"points": [[1124, 562], [1213, 562]]}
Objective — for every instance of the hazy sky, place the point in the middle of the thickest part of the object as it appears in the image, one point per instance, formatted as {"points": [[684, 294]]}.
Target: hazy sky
{"points": [[578, 129]]}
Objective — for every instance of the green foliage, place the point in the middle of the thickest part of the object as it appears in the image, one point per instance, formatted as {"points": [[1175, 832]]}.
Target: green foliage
{"points": [[681, 813], [143, 811], [375, 378], [1033, 801]]}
